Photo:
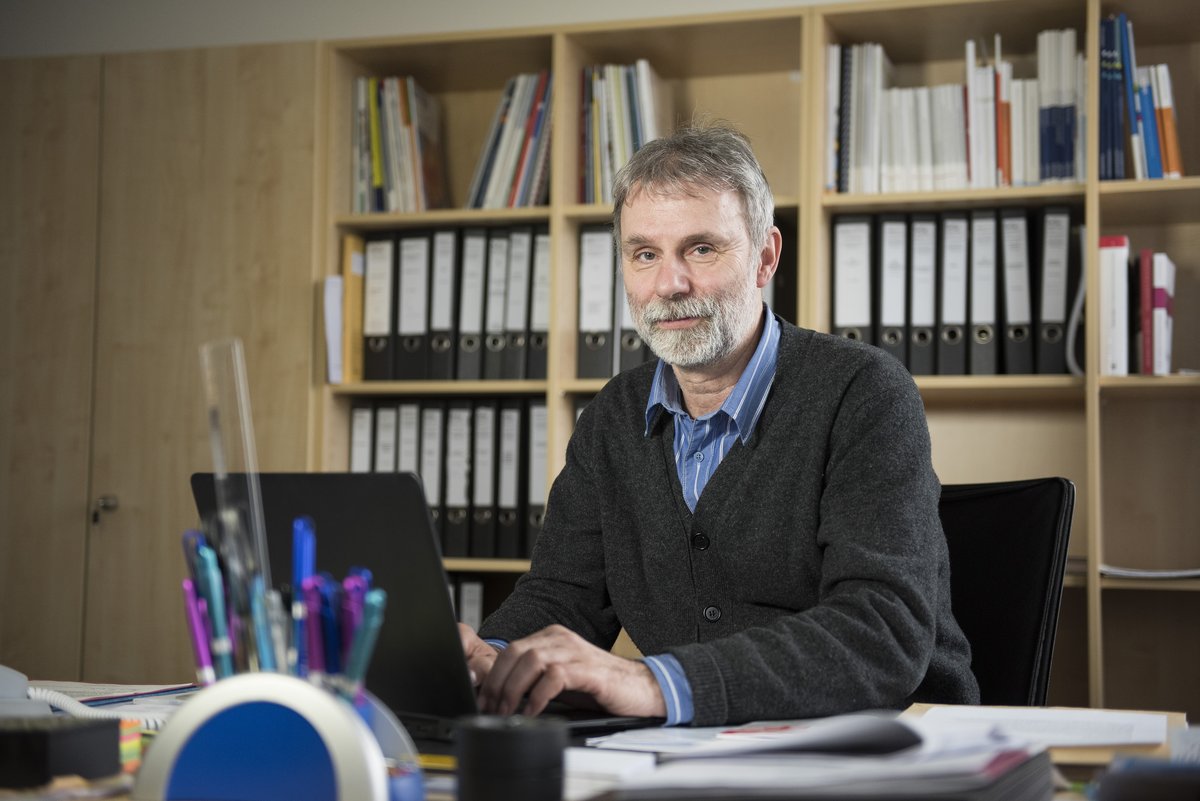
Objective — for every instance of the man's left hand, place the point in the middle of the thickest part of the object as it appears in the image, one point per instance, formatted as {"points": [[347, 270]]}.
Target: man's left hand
{"points": [[532, 671]]}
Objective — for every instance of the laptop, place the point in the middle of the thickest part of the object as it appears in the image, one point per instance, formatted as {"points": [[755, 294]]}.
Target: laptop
{"points": [[381, 521]]}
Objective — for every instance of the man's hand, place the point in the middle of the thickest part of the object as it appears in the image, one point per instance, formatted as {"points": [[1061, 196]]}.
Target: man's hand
{"points": [[480, 655], [555, 660]]}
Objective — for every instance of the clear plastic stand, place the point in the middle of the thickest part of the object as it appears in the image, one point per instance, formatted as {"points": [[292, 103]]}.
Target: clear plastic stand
{"points": [[272, 737]]}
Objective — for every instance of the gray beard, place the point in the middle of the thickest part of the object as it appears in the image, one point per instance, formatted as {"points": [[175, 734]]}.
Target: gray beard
{"points": [[714, 338]]}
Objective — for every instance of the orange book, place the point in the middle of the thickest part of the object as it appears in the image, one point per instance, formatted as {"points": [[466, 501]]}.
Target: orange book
{"points": [[353, 265], [1167, 129]]}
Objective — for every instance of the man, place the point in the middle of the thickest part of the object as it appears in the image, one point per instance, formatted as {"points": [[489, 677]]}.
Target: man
{"points": [[758, 509]]}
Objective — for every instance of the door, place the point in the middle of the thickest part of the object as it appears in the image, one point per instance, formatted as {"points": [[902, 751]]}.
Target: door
{"points": [[206, 232], [49, 164]]}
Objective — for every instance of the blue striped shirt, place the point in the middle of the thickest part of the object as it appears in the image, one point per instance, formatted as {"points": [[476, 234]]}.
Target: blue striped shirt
{"points": [[700, 445]]}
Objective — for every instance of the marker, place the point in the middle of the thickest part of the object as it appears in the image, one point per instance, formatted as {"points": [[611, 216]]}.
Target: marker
{"points": [[311, 594], [354, 590], [304, 550], [331, 634], [222, 648], [204, 667], [364, 644], [192, 540]]}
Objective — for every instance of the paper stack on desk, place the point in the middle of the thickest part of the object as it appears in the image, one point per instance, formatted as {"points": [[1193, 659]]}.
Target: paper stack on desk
{"points": [[863, 756]]}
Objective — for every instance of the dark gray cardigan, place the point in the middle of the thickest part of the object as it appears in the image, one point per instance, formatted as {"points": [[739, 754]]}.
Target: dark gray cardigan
{"points": [[813, 577]]}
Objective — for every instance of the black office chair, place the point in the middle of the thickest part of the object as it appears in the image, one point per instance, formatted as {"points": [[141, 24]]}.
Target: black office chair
{"points": [[1008, 549]]}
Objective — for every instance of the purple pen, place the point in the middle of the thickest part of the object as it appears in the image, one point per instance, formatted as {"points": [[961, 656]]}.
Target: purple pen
{"points": [[199, 631], [354, 590]]}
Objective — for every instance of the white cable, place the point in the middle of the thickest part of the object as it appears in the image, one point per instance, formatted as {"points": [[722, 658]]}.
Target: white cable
{"points": [[1073, 322], [77, 709]]}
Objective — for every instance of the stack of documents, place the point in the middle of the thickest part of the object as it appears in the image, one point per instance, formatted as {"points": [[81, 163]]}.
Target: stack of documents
{"points": [[849, 756]]}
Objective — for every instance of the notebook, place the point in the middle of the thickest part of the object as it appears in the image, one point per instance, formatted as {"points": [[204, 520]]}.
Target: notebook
{"points": [[381, 521]]}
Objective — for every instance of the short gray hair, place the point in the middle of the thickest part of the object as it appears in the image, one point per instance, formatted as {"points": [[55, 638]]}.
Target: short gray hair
{"points": [[713, 156]]}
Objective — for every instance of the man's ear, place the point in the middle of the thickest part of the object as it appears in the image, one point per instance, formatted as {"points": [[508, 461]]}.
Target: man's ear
{"points": [[768, 257]]}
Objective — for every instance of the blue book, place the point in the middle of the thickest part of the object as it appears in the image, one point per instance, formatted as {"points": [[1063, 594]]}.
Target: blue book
{"points": [[1154, 167], [1133, 114]]}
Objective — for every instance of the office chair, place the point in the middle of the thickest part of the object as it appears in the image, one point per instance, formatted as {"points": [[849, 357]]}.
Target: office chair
{"points": [[1008, 549]]}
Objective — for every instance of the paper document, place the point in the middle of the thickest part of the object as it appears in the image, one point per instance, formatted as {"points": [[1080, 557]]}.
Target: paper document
{"points": [[333, 328], [1052, 727]]}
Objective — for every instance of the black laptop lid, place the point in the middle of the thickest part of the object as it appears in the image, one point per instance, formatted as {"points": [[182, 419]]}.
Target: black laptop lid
{"points": [[379, 521]]}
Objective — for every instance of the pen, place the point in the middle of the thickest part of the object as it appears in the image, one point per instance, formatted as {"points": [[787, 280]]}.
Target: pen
{"points": [[303, 562], [221, 646], [276, 619], [330, 630], [191, 605], [354, 590], [262, 627], [364, 644], [311, 592], [192, 540]]}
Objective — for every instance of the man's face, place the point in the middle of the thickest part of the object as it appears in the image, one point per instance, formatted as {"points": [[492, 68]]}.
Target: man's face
{"points": [[691, 274]]}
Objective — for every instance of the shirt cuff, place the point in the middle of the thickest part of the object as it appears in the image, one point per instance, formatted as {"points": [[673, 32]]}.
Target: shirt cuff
{"points": [[676, 689]]}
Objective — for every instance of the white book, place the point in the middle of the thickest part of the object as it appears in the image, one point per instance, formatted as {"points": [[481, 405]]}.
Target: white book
{"points": [[971, 114], [922, 100], [1032, 134], [833, 89], [1114, 306], [1162, 314], [1016, 93]]}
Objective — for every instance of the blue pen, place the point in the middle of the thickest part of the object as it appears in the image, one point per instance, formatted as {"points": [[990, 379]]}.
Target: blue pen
{"points": [[330, 628], [304, 549], [222, 648], [192, 540], [262, 626], [364, 644]]}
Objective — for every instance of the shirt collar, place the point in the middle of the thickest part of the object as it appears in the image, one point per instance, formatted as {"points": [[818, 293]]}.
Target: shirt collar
{"points": [[744, 404]]}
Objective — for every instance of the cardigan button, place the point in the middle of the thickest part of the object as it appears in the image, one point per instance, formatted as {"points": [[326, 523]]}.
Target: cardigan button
{"points": [[712, 614], [700, 542]]}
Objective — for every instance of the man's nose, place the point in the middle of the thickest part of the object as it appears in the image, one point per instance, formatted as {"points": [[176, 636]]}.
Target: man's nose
{"points": [[673, 278]]}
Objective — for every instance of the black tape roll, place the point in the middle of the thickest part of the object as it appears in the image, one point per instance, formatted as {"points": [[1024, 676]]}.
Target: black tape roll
{"points": [[515, 757]]}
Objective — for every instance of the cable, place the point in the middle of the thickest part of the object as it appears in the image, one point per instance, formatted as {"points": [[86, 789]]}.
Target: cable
{"points": [[78, 709]]}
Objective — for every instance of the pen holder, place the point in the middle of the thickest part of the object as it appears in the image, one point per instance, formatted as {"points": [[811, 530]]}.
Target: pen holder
{"points": [[272, 737]]}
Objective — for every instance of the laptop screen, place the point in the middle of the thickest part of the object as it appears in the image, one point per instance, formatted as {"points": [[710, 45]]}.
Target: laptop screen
{"points": [[379, 521]]}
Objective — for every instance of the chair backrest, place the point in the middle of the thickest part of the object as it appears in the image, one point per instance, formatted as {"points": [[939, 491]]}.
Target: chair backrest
{"points": [[1008, 549]]}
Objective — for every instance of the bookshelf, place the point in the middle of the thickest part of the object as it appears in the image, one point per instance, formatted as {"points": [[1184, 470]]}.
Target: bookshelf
{"points": [[1129, 444]]}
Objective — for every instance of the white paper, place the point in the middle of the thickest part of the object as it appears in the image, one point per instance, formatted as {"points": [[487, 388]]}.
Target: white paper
{"points": [[1053, 727]]}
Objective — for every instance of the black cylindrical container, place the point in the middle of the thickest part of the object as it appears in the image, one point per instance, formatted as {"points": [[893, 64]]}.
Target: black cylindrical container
{"points": [[505, 758]]}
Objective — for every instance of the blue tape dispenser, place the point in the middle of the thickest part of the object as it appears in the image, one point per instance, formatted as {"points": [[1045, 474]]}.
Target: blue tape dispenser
{"points": [[273, 737]]}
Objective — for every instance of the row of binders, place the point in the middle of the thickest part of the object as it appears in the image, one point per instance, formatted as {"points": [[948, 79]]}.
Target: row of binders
{"points": [[979, 292], [1137, 299], [466, 592], [482, 463], [397, 147], [622, 106], [1137, 110], [466, 304], [514, 167], [990, 130]]}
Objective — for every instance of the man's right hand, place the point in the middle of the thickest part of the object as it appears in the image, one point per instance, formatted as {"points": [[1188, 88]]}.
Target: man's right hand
{"points": [[480, 655]]}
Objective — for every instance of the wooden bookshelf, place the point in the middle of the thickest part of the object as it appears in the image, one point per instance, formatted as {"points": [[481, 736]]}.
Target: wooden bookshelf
{"points": [[1129, 444]]}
